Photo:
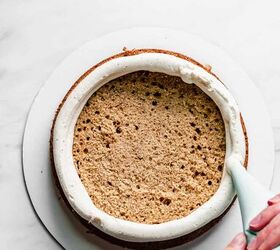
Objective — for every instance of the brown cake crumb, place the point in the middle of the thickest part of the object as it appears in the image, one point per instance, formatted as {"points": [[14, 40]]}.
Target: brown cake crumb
{"points": [[149, 148]]}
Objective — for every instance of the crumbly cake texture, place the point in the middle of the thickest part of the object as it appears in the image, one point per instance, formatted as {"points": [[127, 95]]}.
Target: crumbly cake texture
{"points": [[94, 230], [149, 147]]}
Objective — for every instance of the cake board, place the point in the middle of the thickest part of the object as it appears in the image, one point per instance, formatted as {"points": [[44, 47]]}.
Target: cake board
{"points": [[57, 219]]}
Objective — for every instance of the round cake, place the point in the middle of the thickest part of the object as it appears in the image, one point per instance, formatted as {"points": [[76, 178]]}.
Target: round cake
{"points": [[139, 148]]}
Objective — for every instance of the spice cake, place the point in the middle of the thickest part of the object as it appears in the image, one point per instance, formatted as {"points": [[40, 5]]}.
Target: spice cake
{"points": [[139, 147]]}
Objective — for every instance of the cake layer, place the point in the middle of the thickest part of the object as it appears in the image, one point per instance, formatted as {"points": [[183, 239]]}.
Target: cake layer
{"points": [[73, 188]]}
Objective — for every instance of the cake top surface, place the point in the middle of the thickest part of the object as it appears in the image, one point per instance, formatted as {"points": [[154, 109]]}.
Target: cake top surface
{"points": [[149, 148]]}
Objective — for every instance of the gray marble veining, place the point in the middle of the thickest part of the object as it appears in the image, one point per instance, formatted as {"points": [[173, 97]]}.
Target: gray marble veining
{"points": [[36, 35]]}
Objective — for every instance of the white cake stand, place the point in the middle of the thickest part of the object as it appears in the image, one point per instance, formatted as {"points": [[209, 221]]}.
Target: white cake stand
{"points": [[37, 170]]}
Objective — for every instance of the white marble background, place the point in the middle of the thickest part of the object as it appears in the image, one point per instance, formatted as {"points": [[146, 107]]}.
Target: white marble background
{"points": [[35, 35]]}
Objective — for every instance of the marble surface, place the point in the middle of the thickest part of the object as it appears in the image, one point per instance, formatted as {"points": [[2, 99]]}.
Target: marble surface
{"points": [[36, 35]]}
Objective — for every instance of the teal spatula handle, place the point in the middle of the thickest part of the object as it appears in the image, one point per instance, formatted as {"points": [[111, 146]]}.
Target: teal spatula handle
{"points": [[251, 194]]}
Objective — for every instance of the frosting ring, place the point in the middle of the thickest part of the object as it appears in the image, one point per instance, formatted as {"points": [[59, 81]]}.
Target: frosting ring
{"points": [[63, 138]]}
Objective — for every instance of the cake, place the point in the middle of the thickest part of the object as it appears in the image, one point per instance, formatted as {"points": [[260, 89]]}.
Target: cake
{"points": [[139, 147]]}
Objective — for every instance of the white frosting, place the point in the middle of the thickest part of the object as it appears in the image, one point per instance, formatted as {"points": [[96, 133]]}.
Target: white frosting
{"points": [[71, 184]]}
